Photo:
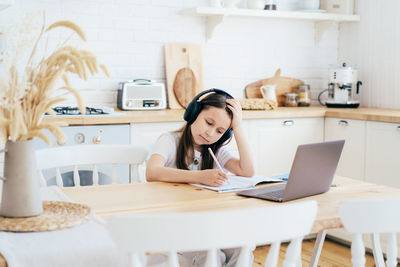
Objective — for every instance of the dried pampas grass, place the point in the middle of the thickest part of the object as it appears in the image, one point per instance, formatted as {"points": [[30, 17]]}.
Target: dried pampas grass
{"points": [[25, 97]]}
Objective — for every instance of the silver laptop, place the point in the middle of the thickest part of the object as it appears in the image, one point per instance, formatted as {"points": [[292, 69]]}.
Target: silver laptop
{"points": [[312, 172]]}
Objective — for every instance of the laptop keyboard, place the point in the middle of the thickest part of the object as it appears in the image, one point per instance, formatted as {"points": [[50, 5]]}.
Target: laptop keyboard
{"points": [[275, 194]]}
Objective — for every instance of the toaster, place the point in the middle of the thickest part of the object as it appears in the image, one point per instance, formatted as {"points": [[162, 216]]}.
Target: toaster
{"points": [[141, 94]]}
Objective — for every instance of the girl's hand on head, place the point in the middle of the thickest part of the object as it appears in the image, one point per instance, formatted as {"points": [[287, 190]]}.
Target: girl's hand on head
{"points": [[212, 177], [236, 108]]}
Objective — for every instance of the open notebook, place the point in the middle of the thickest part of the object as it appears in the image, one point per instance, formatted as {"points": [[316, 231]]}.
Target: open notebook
{"points": [[235, 183]]}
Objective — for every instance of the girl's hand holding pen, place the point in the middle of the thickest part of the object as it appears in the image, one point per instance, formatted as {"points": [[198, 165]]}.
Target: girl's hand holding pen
{"points": [[236, 108], [212, 177]]}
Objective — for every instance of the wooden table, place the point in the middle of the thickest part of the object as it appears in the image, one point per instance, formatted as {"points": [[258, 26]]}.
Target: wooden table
{"points": [[173, 197], [108, 200]]}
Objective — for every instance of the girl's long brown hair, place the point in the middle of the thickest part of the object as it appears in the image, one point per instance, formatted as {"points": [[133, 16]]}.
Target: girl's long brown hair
{"points": [[185, 150]]}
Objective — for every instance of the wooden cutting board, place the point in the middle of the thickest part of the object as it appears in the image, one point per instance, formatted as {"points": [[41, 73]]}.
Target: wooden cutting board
{"points": [[184, 73], [184, 82], [283, 85]]}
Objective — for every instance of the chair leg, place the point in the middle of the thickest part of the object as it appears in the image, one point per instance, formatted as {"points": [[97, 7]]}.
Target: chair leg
{"points": [[244, 257], [173, 259], [319, 242], [376, 247], [135, 260], [391, 250], [212, 258], [293, 253], [357, 251], [273, 255]]}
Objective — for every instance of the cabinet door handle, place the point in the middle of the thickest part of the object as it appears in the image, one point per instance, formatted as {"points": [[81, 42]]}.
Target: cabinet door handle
{"points": [[343, 123], [288, 122], [96, 139]]}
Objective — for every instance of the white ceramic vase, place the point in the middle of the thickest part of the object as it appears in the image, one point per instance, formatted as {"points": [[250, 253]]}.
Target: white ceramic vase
{"points": [[21, 185]]}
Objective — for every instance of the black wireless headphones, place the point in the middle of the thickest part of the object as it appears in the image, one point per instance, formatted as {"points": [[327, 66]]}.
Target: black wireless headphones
{"points": [[194, 108]]}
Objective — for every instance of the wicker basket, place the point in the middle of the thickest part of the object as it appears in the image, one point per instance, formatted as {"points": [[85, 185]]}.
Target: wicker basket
{"points": [[257, 104], [56, 215]]}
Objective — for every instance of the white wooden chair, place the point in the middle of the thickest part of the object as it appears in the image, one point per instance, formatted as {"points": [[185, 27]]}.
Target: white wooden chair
{"points": [[209, 231], [93, 155], [372, 217]]}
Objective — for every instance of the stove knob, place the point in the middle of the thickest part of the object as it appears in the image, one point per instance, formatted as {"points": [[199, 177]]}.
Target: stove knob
{"points": [[96, 139], [129, 103], [79, 138]]}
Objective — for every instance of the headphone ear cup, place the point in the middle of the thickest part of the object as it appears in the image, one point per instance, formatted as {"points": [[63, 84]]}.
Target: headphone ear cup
{"points": [[188, 111], [192, 111]]}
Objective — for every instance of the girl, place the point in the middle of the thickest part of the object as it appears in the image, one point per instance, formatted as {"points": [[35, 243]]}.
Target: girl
{"points": [[212, 117]]}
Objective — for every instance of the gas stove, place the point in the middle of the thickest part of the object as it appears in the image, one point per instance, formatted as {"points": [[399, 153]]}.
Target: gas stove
{"points": [[68, 110]]}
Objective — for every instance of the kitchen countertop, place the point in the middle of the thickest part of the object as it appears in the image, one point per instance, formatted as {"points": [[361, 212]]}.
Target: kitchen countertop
{"points": [[176, 115]]}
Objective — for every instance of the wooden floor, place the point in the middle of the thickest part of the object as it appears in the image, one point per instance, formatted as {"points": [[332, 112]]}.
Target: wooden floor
{"points": [[332, 255]]}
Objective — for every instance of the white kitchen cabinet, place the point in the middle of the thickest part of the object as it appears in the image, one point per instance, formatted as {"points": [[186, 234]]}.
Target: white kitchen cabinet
{"points": [[351, 162], [274, 141], [382, 153], [232, 144], [146, 133], [379, 142]]}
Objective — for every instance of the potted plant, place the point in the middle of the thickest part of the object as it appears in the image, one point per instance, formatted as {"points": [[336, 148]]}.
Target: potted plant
{"points": [[27, 92]]}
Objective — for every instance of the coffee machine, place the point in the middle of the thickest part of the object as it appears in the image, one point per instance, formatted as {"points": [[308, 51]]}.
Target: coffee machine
{"points": [[342, 84]]}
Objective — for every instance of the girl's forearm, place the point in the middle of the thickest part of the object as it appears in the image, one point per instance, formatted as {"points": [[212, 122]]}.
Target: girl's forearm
{"points": [[165, 174], [246, 164]]}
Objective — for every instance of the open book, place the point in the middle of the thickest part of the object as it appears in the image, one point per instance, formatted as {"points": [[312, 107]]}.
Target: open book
{"points": [[235, 183]]}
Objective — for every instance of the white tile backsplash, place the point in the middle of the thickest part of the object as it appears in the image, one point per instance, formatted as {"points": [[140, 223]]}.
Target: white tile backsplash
{"points": [[129, 36], [373, 47]]}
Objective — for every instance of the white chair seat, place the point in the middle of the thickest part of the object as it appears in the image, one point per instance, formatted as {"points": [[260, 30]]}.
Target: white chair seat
{"points": [[210, 231]]}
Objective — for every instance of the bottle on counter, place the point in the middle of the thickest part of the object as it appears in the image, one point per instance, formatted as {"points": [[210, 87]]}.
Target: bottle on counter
{"points": [[270, 5], [291, 99], [304, 95]]}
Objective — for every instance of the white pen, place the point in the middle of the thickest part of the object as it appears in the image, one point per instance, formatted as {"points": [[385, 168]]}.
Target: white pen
{"points": [[215, 159]]}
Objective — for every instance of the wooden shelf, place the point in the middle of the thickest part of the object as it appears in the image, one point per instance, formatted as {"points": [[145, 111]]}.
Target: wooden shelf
{"points": [[240, 12], [216, 15]]}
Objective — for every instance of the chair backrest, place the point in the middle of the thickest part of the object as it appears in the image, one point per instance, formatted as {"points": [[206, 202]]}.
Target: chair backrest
{"points": [[93, 155], [372, 217], [199, 231]]}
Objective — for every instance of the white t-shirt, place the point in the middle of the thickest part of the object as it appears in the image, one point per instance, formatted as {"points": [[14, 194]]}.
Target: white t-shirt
{"points": [[167, 145]]}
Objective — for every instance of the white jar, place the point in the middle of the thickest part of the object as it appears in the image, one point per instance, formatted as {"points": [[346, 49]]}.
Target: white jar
{"points": [[255, 4], [338, 6], [231, 3], [310, 5], [288, 5], [215, 3]]}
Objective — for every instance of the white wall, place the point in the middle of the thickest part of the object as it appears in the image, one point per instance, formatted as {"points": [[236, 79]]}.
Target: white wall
{"points": [[374, 46], [129, 35]]}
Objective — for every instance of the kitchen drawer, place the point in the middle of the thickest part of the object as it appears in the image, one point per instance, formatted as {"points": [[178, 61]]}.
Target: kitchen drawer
{"points": [[382, 153], [275, 141], [352, 160]]}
